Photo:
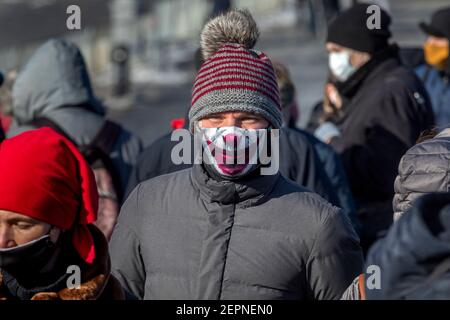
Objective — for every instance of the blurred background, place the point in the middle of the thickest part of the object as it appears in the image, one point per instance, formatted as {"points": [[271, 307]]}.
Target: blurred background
{"points": [[140, 53]]}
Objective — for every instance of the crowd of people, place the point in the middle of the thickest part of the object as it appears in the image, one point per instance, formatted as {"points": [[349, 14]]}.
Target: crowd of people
{"points": [[365, 184]]}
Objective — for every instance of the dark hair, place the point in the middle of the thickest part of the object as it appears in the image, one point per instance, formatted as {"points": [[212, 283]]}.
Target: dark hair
{"points": [[427, 135]]}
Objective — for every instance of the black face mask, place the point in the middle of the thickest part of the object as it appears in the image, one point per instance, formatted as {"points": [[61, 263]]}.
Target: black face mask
{"points": [[32, 254]]}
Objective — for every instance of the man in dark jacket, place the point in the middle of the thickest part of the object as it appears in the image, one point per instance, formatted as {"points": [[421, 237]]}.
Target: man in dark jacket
{"points": [[328, 158], [222, 230], [385, 108]]}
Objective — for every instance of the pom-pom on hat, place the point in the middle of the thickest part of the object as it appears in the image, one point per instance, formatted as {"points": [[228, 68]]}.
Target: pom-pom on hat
{"points": [[234, 77]]}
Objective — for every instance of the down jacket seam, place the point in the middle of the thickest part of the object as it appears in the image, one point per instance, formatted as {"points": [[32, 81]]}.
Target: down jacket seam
{"points": [[226, 253]]}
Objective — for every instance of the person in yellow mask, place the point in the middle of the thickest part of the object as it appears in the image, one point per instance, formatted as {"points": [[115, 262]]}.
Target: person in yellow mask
{"points": [[435, 72], [436, 51]]}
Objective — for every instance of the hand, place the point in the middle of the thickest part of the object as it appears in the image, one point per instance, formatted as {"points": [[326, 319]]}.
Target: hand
{"points": [[326, 132], [333, 95]]}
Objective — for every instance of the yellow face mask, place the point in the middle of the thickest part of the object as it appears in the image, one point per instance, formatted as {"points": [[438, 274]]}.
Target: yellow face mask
{"points": [[436, 55]]}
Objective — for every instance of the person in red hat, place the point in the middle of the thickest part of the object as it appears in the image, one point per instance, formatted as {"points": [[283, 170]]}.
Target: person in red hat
{"points": [[49, 247]]}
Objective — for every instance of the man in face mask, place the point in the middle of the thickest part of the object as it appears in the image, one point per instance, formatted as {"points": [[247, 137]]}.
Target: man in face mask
{"points": [[298, 159], [435, 72], [17, 230], [47, 209], [25, 241], [226, 228], [383, 110]]}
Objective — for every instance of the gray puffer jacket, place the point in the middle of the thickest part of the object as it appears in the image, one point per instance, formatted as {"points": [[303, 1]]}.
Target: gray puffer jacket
{"points": [[55, 84], [185, 235], [424, 169]]}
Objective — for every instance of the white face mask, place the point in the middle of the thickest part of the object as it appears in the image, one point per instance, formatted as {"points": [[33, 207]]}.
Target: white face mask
{"points": [[340, 66], [232, 151]]}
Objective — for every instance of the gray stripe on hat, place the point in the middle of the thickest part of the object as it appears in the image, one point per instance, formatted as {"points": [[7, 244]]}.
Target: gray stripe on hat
{"points": [[229, 100]]}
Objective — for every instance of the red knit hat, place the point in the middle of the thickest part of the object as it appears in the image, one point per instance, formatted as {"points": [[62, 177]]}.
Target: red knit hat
{"points": [[45, 177], [234, 77]]}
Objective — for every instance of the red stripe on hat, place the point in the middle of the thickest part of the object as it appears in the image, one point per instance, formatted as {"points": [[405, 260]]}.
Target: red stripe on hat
{"points": [[237, 80], [246, 70], [236, 67], [237, 62], [218, 81], [219, 77], [247, 67]]}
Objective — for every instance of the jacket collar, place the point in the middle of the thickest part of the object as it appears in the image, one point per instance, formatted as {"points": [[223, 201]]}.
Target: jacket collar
{"points": [[382, 60], [247, 191], [94, 278]]}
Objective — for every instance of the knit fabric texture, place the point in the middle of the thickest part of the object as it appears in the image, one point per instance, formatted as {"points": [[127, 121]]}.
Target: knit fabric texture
{"points": [[236, 79]]}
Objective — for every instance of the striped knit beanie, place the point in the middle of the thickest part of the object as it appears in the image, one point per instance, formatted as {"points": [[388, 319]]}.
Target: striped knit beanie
{"points": [[234, 77]]}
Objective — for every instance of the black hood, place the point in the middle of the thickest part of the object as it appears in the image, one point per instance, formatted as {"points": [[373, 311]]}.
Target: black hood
{"points": [[55, 77], [414, 248]]}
